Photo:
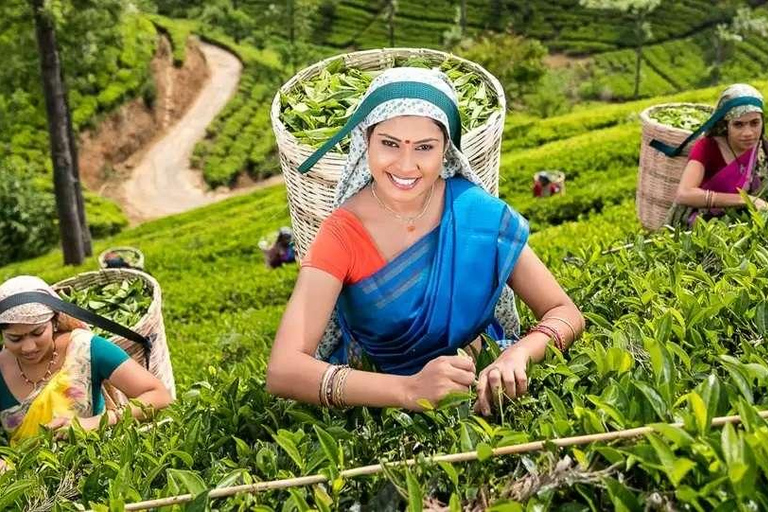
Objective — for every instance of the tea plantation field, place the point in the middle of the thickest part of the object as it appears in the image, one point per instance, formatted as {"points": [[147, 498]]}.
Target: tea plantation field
{"points": [[676, 333]]}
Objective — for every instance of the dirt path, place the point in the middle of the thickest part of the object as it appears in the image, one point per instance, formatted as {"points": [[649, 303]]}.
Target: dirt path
{"points": [[163, 183]]}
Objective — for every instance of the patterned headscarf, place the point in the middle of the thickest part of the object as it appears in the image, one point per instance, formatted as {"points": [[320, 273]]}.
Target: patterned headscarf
{"points": [[731, 92], [356, 174], [739, 91], [29, 314]]}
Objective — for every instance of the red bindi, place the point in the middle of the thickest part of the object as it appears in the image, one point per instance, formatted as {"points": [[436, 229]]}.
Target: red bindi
{"points": [[407, 141]]}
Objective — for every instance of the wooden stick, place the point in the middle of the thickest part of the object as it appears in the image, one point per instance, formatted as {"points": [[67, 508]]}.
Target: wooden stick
{"points": [[454, 457]]}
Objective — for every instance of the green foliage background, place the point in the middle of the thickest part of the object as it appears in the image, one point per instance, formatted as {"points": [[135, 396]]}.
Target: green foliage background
{"points": [[677, 322]]}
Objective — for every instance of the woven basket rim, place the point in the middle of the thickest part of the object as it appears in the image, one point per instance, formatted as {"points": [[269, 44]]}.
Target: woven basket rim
{"points": [[280, 130], [649, 122], [154, 307]]}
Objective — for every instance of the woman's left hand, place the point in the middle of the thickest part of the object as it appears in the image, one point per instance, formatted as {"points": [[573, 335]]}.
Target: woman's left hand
{"points": [[505, 375], [88, 423]]}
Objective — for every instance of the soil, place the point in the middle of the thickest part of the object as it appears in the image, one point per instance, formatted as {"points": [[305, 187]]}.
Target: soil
{"points": [[140, 157], [109, 152]]}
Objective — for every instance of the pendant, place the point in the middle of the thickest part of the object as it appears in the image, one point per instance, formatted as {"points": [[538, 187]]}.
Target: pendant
{"points": [[410, 228]]}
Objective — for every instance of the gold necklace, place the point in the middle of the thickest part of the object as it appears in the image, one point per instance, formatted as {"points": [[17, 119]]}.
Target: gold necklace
{"points": [[48, 371], [409, 221]]}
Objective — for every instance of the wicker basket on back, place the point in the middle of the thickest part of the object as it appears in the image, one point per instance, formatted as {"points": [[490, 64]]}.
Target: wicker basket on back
{"points": [[311, 196], [659, 175], [150, 325]]}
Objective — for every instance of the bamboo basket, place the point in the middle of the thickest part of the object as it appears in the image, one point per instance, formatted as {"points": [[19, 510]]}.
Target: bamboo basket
{"points": [[658, 175], [311, 196], [150, 325]]}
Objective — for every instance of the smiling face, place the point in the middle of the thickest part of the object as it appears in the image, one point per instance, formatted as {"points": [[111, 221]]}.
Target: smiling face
{"points": [[405, 156], [745, 131], [29, 343]]}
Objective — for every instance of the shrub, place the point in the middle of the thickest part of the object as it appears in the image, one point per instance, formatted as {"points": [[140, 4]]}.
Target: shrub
{"points": [[27, 213]]}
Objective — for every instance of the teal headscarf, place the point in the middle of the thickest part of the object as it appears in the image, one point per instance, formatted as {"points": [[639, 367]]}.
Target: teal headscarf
{"points": [[736, 100], [398, 92]]}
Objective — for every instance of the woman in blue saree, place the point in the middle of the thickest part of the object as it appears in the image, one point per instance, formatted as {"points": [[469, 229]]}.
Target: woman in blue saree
{"points": [[417, 261]]}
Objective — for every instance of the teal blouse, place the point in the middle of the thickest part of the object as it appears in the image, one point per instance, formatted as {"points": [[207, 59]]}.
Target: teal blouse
{"points": [[105, 359]]}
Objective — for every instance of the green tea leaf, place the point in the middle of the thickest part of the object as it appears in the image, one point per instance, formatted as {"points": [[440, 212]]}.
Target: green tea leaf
{"points": [[189, 481], [484, 452], [415, 494], [653, 398], [329, 445], [290, 448]]}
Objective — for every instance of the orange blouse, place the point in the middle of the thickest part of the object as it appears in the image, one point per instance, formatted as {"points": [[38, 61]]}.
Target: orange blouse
{"points": [[344, 248]]}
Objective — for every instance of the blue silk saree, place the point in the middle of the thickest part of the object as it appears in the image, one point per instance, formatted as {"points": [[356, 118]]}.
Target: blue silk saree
{"points": [[440, 293]]}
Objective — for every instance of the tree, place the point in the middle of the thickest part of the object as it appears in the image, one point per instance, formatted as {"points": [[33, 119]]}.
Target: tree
{"points": [[59, 130], [517, 62], [639, 11], [224, 15], [726, 35], [390, 10], [455, 34]]}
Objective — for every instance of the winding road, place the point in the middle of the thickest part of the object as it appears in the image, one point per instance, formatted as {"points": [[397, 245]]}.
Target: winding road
{"points": [[163, 183]]}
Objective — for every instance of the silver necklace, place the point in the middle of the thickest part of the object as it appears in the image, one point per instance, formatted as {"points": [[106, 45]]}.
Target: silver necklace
{"points": [[409, 221]]}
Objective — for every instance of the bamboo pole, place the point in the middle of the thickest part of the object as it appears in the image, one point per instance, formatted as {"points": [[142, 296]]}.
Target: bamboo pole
{"points": [[454, 457]]}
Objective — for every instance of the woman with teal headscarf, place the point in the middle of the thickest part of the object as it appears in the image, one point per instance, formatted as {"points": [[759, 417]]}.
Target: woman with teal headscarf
{"points": [[417, 261], [731, 157]]}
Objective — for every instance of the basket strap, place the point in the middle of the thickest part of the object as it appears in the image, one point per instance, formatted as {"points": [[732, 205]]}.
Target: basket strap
{"points": [[77, 312], [672, 151], [392, 91]]}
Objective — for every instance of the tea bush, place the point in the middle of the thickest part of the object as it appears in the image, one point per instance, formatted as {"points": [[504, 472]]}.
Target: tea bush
{"points": [[240, 138], [676, 334], [98, 83]]}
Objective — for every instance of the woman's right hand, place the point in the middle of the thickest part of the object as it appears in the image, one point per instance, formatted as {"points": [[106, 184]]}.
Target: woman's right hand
{"points": [[439, 377], [759, 203]]}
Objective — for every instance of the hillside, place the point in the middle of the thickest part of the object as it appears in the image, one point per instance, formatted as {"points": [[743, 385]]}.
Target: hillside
{"points": [[656, 334], [677, 322]]}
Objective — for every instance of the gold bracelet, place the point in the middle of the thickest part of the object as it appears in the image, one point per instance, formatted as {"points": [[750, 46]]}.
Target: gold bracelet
{"points": [[336, 400], [323, 379], [342, 389], [327, 379], [566, 322]]}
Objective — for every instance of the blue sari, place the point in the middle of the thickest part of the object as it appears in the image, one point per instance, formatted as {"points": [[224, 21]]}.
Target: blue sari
{"points": [[440, 293]]}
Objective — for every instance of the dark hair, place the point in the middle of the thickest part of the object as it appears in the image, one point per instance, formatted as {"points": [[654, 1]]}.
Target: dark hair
{"points": [[721, 128], [370, 129]]}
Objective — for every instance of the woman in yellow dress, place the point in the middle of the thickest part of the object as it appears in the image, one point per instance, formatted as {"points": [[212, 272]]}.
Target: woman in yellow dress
{"points": [[52, 369]]}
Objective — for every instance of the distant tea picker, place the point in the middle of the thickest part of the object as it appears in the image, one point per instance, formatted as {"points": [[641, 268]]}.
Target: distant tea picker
{"points": [[415, 262], [732, 156]]}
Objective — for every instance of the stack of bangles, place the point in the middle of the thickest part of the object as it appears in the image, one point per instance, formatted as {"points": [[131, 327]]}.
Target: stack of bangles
{"points": [[553, 333], [710, 199], [332, 386]]}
